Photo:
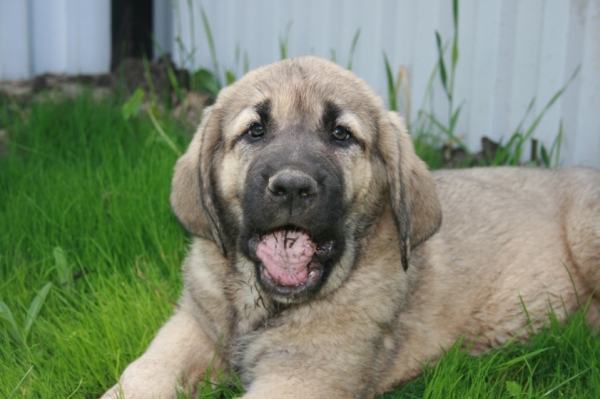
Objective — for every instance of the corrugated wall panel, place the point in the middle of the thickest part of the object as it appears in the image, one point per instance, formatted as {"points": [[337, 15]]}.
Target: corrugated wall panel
{"points": [[55, 36], [14, 40], [585, 147], [163, 26], [511, 52], [48, 27], [88, 36]]}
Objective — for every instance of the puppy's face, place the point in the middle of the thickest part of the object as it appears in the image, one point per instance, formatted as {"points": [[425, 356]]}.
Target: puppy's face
{"points": [[297, 162], [292, 199], [292, 174]]}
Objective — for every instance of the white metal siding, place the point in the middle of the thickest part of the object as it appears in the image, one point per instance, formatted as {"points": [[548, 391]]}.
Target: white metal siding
{"points": [[14, 40], [511, 52], [55, 36]]}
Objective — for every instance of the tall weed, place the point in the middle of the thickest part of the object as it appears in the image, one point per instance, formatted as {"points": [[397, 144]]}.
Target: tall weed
{"points": [[510, 153]]}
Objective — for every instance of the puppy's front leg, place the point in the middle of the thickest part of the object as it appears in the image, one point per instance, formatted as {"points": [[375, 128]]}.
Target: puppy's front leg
{"points": [[322, 365], [176, 359], [277, 388]]}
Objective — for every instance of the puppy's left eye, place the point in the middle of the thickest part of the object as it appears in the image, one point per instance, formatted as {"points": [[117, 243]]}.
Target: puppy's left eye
{"points": [[340, 133], [256, 131]]}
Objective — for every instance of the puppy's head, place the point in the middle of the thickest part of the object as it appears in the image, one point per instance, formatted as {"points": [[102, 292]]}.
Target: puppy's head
{"points": [[291, 166]]}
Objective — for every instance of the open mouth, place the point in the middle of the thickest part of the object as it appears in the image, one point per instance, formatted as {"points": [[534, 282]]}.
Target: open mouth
{"points": [[291, 262]]}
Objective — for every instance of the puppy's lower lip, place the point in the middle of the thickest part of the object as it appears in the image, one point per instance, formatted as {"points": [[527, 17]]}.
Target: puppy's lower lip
{"points": [[274, 287], [324, 248]]}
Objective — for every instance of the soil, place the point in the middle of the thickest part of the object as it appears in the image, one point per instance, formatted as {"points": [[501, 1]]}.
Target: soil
{"points": [[131, 74], [127, 77]]}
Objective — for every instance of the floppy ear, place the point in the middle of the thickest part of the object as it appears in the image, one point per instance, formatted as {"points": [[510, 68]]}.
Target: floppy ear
{"points": [[192, 197], [413, 196]]}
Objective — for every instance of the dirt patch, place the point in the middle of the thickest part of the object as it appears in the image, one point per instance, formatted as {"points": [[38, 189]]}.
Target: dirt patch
{"points": [[165, 86], [456, 157], [155, 77]]}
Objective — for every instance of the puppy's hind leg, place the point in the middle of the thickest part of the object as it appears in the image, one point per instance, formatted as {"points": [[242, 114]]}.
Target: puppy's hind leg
{"points": [[176, 360], [583, 236]]}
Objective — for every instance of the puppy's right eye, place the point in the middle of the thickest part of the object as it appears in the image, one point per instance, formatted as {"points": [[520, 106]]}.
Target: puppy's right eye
{"points": [[256, 131], [340, 133]]}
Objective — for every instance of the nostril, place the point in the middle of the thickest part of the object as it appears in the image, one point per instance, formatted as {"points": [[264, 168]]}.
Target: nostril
{"points": [[277, 186], [289, 184]]}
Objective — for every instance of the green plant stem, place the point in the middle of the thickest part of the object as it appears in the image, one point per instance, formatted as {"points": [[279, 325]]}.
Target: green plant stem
{"points": [[162, 133]]}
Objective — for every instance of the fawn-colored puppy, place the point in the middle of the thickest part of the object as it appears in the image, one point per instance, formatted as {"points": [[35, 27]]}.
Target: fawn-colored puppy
{"points": [[327, 262]]}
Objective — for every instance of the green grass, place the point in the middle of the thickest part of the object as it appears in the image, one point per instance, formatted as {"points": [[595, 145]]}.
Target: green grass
{"points": [[562, 361], [85, 191], [81, 178]]}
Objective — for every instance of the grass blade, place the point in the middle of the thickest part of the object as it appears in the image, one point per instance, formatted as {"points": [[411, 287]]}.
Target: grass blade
{"points": [[521, 359], [149, 81], [230, 77], [556, 145], [443, 75], [454, 117], [544, 155], [75, 391], [352, 48], [455, 14], [284, 41], [211, 45], [390, 84], [549, 104], [20, 382], [162, 133], [65, 277], [187, 56], [438, 124], [170, 72], [513, 388], [35, 307], [133, 105], [205, 80], [192, 25], [455, 53], [10, 324], [565, 382], [246, 62]]}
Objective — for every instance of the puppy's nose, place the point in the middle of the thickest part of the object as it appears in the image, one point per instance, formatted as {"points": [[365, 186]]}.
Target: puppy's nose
{"points": [[292, 187]]}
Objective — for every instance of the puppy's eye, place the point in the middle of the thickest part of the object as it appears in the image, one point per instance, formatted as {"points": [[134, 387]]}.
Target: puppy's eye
{"points": [[340, 133], [256, 131]]}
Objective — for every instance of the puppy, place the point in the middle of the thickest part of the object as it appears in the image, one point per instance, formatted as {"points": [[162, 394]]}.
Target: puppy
{"points": [[328, 262]]}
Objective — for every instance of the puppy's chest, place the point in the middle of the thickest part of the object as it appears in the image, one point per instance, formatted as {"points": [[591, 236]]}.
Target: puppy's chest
{"points": [[253, 314], [252, 308]]}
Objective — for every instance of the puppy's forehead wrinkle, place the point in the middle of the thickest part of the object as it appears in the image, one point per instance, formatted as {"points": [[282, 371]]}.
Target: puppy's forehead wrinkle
{"points": [[307, 95], [331, 114], [263, 109]]}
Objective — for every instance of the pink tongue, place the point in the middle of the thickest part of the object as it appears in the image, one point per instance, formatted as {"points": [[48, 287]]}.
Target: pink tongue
{"points": [[286, 255]]}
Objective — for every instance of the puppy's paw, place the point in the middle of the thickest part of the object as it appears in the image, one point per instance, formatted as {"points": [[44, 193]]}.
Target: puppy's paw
{"points": [[113, 393], [142, 382]]}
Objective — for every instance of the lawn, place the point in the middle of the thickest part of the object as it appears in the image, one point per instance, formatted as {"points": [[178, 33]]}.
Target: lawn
{"points": [[84, 206]]}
